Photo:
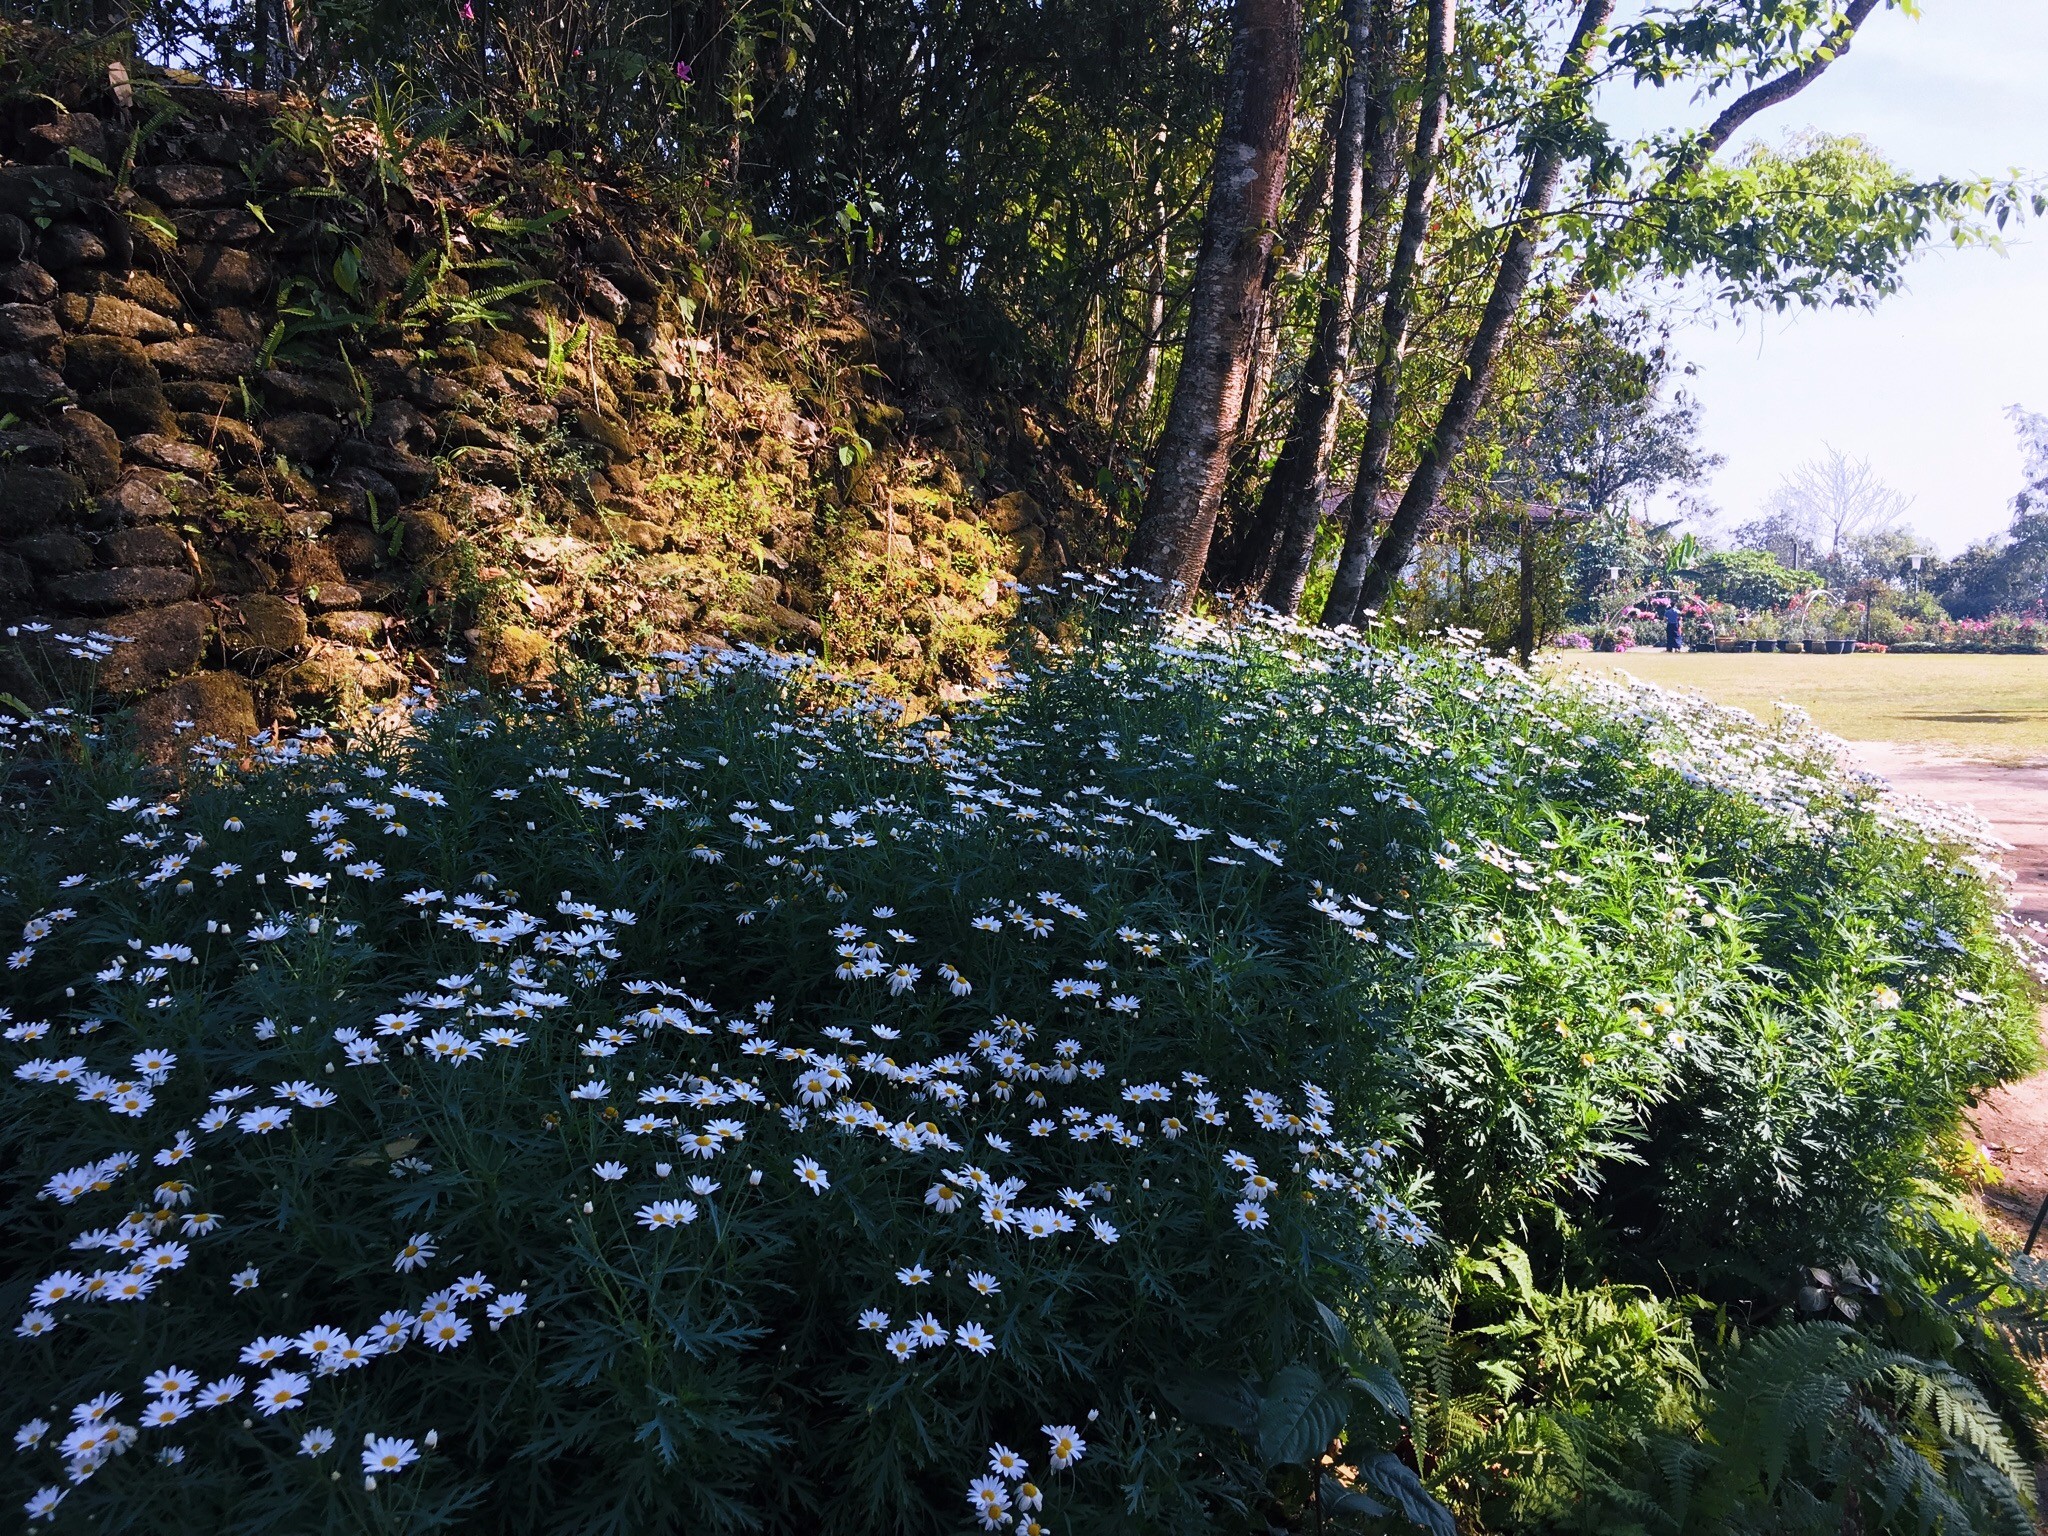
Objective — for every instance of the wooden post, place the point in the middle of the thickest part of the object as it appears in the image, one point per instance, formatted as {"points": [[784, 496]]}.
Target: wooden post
{"points": [[1525, 622]]}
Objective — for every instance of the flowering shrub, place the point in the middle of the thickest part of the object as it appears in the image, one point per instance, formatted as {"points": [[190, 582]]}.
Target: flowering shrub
{"points": [[1998, 632], [703, 1102]]}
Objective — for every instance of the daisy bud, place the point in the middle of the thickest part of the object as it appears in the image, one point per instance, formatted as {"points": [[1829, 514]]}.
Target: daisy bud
{"points": [[754, 1176], [433, 1438], [587, 1208]]}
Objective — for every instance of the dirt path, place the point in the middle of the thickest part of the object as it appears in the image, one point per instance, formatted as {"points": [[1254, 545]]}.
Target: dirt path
{"points": [[2012, 1124]]}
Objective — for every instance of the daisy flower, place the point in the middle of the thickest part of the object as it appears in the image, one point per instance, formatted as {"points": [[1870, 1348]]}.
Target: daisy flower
{"points": [[1067, 1446], [974, 1338], [383, 1455], [814, 1178], [280, 1392], [419, 1248]]}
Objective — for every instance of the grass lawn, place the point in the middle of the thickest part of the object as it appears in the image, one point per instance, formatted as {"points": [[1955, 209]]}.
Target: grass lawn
{"points": [[1987, 706]]}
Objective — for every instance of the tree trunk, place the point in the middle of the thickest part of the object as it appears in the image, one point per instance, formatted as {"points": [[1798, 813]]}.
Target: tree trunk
{"points": [[1525, 593], [1250, 167], [1511, 280], [1284, 534], [1284, 264], [1361, 512], [1155, 290]]}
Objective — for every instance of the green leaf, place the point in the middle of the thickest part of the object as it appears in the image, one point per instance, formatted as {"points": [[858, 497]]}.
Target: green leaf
{"points": [[1394, 1478], [1385, 1390], [1298, 1417], [1217, 1398], [1339, 1500]]}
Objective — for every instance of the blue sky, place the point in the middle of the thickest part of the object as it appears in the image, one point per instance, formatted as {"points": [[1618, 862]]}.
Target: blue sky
{"points": [[1920, 384]]}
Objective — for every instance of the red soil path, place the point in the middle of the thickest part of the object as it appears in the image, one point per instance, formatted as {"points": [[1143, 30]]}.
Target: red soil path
{"points": [[2012, 1124]]}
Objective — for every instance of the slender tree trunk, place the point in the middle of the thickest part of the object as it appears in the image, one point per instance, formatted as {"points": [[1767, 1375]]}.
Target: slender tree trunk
{"points": [[1155, 290], [1525, 592], [1284, 264], [1545, 168], [1282, 538], [1361, 512], [1264, 72]]}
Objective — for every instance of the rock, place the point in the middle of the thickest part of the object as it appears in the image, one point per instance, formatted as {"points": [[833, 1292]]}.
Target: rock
{"points": [[223, 274], [148, 290], [789, 621], [209, 397], [411, 476], [64, 246], [71, 130], [262, 627], [359, 492], [135, 500], [26, 282], [33, 498], [33, 329], [534, 417], [169, 453], [43, 191], [234, 441], [91, 447], [17, 585], [28, 385], [31, 445], [398, 424], [333, 394], [137, 411], [601, 295], [123, 587], [338, 674], [110, 316], [107, 362], [186, 186], [210, 704], [233, 323], [509, 653], [1010, 512], [161, 643], [16, 239], [351, 626], [202, 357], [606, 430], [218, 226], [302, 437], [427, 534], [463, 431], [434, 391], [638, 533], [357, 550], [150, 544], [490, 466], [55, 552]]}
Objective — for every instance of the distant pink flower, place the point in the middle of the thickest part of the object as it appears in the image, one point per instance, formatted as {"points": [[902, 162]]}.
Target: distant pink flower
{"points": [[683, 71], [468, 11]]}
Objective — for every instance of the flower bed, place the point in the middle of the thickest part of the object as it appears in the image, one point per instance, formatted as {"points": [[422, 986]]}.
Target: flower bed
{"points": [[703, 1103]]}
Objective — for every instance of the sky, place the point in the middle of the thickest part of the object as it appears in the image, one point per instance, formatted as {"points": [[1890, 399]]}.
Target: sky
{"points": [[1919, 385]]}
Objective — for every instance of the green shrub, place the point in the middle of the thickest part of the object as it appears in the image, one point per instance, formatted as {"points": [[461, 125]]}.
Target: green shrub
{"points": [[1597, 977]]}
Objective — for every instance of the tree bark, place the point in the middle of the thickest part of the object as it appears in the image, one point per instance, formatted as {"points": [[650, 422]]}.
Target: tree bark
{"points": [[1260, 82], [1361, 512], [1155, 295], [1291, 509], [1284, 264], [1511, 280]]}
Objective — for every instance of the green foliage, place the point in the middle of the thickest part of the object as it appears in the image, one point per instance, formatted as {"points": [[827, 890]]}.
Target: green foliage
{"points": [[1662, 1023], [1750, 578]]}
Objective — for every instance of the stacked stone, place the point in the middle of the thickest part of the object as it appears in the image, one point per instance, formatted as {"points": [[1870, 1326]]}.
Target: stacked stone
{"points": [[249, 526]]}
